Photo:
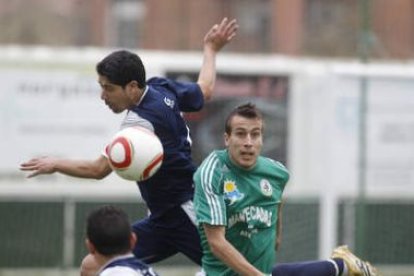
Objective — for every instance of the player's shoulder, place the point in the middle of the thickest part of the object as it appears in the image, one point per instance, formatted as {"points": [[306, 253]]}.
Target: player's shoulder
{"points": [[157, 85], [134, 119], [274, 164], [157, 81], [212, 157], [212, 162], [160, 83], [162, 92], [120, 271], [216, 156]]}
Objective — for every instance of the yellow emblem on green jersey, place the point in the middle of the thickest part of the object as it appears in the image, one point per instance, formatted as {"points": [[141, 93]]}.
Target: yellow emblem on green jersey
{"points": [[231, 193]]}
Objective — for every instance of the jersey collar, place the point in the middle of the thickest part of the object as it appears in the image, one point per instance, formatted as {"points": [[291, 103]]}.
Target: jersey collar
{"points": [[143, 95]]}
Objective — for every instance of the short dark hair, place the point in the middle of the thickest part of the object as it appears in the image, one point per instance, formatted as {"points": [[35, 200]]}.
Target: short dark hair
{"points": [[247, 110], [109, 230], [121, 67]]}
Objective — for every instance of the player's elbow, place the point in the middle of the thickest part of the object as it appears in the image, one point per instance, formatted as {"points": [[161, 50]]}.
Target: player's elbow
{"points": [[99, 176], [206, 89], [208, 95], [94, 174], [100, 172], [99, 168]]}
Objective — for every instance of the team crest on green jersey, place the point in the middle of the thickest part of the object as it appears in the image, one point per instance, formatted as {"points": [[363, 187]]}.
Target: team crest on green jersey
{"points": [[231, 193], [266, 187]]}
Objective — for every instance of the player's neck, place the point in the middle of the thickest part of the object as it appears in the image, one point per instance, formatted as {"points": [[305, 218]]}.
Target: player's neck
{"points": [[140, 95]]}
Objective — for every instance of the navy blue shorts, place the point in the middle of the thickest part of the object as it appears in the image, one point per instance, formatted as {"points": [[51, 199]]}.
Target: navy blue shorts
{"points": [[175, 231]]}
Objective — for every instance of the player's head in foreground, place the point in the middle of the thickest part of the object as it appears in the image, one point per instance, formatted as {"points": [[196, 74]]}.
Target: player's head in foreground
{"points": [[121, 76], [243, 135], [108, 232], [109, 239]]}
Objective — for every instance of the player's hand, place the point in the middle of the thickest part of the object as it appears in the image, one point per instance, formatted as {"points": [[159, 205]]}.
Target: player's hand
{"points": [[220, 34], [42, 165]]}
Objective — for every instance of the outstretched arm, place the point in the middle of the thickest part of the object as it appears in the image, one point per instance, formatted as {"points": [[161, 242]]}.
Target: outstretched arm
{"points": [[96, 169], [226, 252], [215, 39]]}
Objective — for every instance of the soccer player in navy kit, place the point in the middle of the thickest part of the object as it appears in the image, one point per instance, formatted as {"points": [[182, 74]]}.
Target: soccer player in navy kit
{"points": [[157, 105], [110, 239]]}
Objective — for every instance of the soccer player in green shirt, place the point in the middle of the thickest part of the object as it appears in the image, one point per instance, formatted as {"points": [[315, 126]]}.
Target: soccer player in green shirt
{"points": [[238, 198]]}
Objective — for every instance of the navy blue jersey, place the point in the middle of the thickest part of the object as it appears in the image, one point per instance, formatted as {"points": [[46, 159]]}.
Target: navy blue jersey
{"points": [[160, 109], [126, 265]]}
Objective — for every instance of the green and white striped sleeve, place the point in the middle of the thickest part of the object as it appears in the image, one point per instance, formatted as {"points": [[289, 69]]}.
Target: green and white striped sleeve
{"points": [[208, 199]]}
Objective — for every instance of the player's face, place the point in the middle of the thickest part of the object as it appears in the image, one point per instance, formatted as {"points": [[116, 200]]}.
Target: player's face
{"points": [[245, 141], [114, 96]]}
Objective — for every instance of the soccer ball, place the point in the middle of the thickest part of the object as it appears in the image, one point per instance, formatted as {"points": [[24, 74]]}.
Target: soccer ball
{"points": [[135, 153]]}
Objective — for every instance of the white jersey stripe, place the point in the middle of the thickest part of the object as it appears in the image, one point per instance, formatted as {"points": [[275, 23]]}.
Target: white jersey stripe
{"points": [[217, 216], [207, 174], [203, 177]]}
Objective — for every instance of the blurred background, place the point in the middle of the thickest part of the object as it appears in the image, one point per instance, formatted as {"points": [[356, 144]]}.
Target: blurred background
{"points": [[299, 27], [334, 79]]}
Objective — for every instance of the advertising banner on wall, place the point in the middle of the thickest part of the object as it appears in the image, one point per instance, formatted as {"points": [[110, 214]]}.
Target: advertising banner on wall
{"points": [[51, 112]]}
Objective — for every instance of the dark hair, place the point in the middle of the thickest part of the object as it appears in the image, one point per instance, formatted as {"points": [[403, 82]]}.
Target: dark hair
{"points": [[247, 110], [122, 67], [109, 230]]}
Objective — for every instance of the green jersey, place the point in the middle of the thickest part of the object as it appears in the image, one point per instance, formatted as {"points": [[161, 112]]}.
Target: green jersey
{"points": [[246, 202]]}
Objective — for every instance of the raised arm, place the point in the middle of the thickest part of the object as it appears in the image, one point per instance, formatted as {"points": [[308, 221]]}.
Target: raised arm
{"points": [[215, 39], [96, 169], [226, 252]]}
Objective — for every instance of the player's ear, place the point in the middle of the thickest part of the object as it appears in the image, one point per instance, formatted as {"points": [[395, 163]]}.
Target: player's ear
{"points": [[132, 89], [133, 85], [132, 240], [90, 246], [226, 139]]}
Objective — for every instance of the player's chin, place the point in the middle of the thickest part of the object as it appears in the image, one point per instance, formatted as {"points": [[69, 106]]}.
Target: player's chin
{"points": [[116, 110], [247, 162]]}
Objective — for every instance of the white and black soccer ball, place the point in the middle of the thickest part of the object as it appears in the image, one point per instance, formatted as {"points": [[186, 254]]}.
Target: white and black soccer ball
{"points": [[135, 153]]}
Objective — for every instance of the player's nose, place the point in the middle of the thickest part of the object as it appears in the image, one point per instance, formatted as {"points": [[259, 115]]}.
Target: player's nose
{"points": [[248, 141], [103, 95]]}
